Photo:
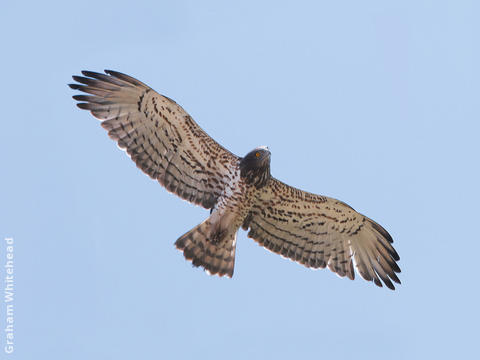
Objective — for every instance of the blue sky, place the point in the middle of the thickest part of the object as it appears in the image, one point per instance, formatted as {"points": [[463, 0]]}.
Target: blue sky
{"points": [[372, 102]]}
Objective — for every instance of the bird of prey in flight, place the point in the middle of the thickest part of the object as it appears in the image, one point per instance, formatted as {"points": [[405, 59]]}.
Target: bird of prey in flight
{"points": [[168, 145]]}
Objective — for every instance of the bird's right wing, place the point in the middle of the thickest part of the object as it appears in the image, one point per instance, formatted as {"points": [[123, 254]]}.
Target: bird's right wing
{"points": [[318, 231], [158, 134]]}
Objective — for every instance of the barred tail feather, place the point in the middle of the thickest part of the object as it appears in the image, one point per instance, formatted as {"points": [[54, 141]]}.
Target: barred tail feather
{"points": [[209, 248]]}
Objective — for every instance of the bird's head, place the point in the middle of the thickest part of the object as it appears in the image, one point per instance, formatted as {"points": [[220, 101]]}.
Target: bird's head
{"points": [[255, 166]]}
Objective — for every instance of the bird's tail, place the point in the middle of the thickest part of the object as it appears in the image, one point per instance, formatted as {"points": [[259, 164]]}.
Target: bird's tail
{"points": [[209, 247]]}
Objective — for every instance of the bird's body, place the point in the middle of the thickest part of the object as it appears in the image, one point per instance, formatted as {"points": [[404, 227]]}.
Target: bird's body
{"points": [[165, 142], [212, 243]]}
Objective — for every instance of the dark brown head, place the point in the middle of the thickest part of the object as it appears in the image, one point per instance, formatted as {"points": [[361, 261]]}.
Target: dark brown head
{"points": [[255, 167]]}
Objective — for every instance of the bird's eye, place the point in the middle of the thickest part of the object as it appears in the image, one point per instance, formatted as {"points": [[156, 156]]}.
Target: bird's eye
{"points": [[257, 154]]}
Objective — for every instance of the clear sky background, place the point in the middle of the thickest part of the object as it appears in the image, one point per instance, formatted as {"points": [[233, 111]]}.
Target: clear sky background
{"points": [[375, 103]]}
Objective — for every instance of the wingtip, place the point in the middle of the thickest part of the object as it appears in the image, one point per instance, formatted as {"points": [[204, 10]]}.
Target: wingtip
{"points": [[391, 286], [84, 106], [395, 255], [89, 73]]}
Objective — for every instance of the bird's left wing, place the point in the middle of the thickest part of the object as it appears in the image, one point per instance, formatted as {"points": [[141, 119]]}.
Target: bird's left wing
{"points": [[318, 231], [158, 135]]}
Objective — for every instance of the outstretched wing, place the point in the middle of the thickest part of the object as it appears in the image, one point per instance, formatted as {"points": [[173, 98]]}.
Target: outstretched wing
{"points": [[318, 231], [162, 139]]}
